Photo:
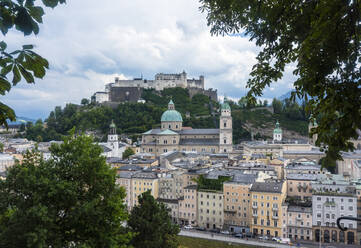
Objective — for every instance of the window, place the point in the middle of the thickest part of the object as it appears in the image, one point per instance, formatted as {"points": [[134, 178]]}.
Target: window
{"points": [[224, 124]]}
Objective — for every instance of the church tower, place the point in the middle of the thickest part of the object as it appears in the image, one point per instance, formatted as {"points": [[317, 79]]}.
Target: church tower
{"points": [[312, 124], [277, 132], [113, 142], [225, 128]]}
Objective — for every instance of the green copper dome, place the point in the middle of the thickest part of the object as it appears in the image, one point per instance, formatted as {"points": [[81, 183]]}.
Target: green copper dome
{"points": [[171, 115], [277, 129], [225, 105]]}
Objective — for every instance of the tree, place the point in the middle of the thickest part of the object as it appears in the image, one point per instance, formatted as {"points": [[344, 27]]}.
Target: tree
{"points": [[328, 164], [22, 127], [24, 63], [321, 39], [152, 223], [84, 101], [277, 106], [71, 200], [128, 152]]}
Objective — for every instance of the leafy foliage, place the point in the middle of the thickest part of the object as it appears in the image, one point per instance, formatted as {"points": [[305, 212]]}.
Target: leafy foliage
{"points": [[70, 200], [151, 222], [128, 152], [328, 164], [25, 64], [211, 184], [322, 39]]}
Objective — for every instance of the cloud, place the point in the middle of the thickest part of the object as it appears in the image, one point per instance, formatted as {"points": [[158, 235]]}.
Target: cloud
{"points": [[90, 42]]}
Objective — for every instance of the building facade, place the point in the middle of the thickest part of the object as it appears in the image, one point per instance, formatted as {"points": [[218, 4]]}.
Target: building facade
{"points": [[298, 221], [173, 137], [237, 211], [266, 203], [188, 206], [210, 209]]}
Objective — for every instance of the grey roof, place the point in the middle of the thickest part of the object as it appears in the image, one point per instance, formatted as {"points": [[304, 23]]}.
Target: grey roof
{"points": [[244, 178], [130, 167], [125, 174], [302, 176], [153, 131], [145, 175], [299, 209], [105, 149], [199, 142], [134, 161], [193, 186], [214, 174], [269, 187], [208, 131], [356, 154]]}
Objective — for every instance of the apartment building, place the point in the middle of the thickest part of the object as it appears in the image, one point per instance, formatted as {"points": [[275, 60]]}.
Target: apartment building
{"points": [[188, 206], [210, 209], [299, 186], [237, 197], [333, 197], [297, 223], [266, 203], [124, 179], [142, 182], [171, 185]]}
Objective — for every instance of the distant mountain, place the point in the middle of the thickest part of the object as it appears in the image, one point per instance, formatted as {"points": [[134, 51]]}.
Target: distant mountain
{"points": [[20, 120], [288, 95]]}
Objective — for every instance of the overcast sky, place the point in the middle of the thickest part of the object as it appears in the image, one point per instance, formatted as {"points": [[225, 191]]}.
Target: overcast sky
{"points": [[90, 42]]}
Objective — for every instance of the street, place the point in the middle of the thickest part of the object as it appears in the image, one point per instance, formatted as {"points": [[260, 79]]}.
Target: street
{"points": [[256, 242]]}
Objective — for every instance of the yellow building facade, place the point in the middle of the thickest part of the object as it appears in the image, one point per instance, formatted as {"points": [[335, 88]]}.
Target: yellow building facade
{"points": [[266, 205]]}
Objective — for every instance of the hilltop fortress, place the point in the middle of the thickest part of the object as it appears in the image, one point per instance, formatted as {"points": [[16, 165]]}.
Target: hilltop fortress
{"points": [[131, 90]]}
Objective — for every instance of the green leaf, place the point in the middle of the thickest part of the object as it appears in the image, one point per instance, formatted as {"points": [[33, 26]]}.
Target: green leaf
{"points": [[5, 70], [4, 86], [6, 113], [37, 13], [3, 45], [27, 75], [16, 74], [27, 47]]}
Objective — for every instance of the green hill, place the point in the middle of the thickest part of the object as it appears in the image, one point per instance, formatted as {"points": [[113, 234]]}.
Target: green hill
{"points": [[136, 118]]}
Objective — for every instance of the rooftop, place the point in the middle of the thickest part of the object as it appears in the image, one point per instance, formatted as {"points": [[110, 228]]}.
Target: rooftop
{"points": [[267, 187]]}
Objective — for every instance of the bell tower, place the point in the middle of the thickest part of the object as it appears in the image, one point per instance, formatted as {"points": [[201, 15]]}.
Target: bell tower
{"points": [[225, 128]]}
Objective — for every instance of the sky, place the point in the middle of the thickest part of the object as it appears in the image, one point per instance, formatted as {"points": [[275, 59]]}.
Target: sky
{"points": [[88, 43]]}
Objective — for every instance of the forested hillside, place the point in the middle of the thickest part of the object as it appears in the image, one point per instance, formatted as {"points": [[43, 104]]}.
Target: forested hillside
{"points": [[136, 118]]}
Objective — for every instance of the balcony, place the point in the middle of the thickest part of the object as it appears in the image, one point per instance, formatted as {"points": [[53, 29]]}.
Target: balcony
{"points": [[298, 218], [275, 217], [275, 208], [254, 207], [254, 214]]}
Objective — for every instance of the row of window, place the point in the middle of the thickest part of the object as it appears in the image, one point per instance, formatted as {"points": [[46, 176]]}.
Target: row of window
{"points": [[207, 211], [275, 198], [214, 204], [214, 197]]}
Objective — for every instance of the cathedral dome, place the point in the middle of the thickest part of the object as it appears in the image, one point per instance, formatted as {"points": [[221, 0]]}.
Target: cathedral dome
{"points": [[171, 115]]}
